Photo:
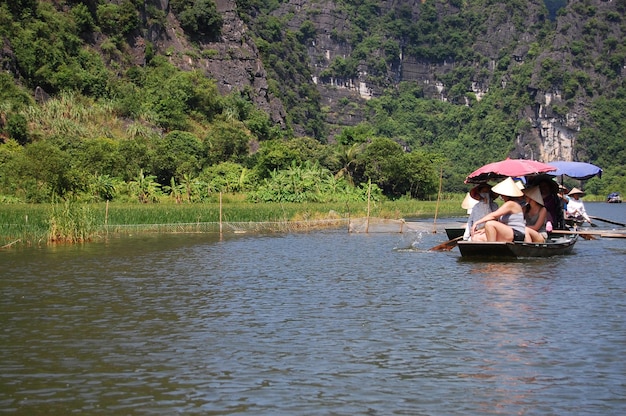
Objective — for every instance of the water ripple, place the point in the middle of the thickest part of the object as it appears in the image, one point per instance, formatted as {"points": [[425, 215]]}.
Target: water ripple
{"points": [[315, 323]]}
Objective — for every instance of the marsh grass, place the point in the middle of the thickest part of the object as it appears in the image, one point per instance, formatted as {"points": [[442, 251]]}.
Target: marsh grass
{"points": [[34, 224], [69, 222]]}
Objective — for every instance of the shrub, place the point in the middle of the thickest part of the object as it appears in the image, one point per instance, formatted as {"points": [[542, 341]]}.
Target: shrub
{"points": [[201, 18]]}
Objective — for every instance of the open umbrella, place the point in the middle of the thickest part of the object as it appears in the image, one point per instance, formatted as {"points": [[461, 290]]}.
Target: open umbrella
{"points": [[576, 170], [508, 167]]}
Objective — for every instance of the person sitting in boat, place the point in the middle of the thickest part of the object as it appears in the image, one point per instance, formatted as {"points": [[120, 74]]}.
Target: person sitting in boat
{"points": [[536, 216], [507, 222], [552, 200], [485, 205], [563, 196], [576, 208]]}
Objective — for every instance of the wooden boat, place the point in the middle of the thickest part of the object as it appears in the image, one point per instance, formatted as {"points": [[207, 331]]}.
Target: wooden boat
{"points": [[614, 198], [555, 246]]}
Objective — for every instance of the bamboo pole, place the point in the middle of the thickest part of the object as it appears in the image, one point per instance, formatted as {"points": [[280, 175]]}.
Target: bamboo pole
{"points": [[438, 199], [220, 215], [369, 193], [106, 215], [601, 233], [11, 243]]}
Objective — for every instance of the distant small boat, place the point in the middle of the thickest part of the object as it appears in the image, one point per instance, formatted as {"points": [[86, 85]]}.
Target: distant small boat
{"points": [[614, 198], [555, 246]]}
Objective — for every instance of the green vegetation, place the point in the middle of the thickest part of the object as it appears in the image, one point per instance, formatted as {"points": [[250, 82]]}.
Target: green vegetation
{"points": [[103, 128]]}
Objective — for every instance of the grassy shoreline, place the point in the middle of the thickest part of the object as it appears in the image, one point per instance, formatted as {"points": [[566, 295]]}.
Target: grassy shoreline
{"points": [[24, 224], [40, 224]]}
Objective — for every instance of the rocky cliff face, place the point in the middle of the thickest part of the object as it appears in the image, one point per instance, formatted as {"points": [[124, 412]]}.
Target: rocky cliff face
{"points": [[564, 53], [519, 31], [599, 23], [233, 60]]}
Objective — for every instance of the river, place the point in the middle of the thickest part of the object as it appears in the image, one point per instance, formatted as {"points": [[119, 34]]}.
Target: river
{"points": [[313, 323]]}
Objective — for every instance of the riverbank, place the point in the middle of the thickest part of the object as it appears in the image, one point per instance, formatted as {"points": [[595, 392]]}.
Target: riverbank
{"points": [[40, 224]]}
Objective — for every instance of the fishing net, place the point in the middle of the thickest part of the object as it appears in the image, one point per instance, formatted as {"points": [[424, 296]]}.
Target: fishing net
{"points": [[229, 227], [385, 225], [353, 225]]}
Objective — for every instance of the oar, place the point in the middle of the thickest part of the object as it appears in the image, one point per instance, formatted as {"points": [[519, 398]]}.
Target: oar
{"points": [[448, 245], [607, 221], [587, 235]]}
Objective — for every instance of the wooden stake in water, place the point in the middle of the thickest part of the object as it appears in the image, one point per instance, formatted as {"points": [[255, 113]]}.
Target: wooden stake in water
{"points": [[106, 216], [438, 199], [220, 215], [369, 193]]}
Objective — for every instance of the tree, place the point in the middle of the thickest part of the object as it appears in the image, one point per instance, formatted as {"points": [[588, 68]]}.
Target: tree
{"points": [[99, 156], [396, 172], [17, 128], [117, 19], [145, 188], [177, 154], [201, 17], [347, 156], [103, 187], [41, 171], [228, 177], [173, 96], [227, 142]]}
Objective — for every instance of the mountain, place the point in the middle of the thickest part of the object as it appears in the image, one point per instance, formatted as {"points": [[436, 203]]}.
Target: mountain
{"points": [[323, 54], [457, 51]]}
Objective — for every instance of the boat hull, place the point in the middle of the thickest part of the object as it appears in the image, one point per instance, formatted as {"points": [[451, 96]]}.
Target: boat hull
{"points": [[513, 250], [453, 233]]}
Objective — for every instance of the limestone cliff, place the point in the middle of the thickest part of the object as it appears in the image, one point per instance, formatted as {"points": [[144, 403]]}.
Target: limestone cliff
{"points": [[455, 50], [520, 29], [233, 60]]}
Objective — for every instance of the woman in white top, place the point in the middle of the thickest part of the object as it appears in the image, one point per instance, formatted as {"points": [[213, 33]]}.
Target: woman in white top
{"points": [[507, 222], [575, 208], [481, 193]]}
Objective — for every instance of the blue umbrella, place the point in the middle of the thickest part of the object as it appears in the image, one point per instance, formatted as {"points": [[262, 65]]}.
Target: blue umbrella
{"points": [[576, 170]]}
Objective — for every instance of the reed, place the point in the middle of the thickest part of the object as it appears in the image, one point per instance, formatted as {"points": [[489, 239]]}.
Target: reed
{"points": [[69, 222]]}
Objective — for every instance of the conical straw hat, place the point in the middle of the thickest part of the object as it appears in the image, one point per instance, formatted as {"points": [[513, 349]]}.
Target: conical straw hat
{"points": [[534, 193], [468, 202], [576, 191], [508, 188], [475, 194]]}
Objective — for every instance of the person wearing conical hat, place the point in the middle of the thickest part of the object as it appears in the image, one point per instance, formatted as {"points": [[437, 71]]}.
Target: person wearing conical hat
{"points": [[468, 203], [536, 216], [507, 222], [575, 207], [485, 204]]}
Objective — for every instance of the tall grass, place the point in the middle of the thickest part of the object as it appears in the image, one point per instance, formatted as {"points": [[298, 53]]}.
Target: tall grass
{"points": [[73, 222], [26, 223], [70, 222]]}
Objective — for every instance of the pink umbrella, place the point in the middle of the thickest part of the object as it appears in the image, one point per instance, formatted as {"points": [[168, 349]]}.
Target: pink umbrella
{"points": [[508, 167]]}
